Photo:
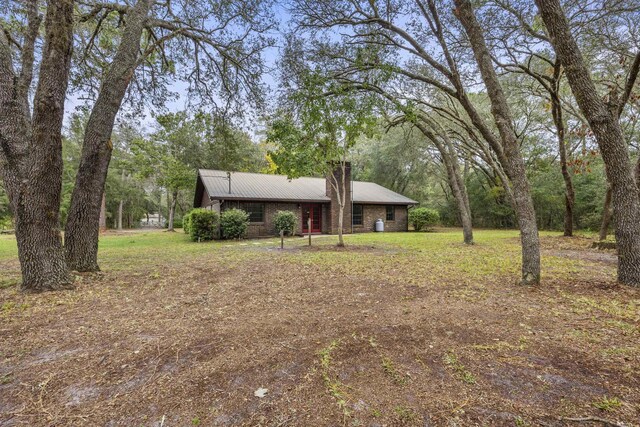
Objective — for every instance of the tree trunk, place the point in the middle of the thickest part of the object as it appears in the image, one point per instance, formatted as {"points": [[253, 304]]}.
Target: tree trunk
{"points": [[513, 162], [172, 211], [341, 193], [604, 123], [120, 209], [81, 241], [569, 193], [455, 181], [340, 224], [103, 214], [31, 148], [606, 215], [638, 173]]}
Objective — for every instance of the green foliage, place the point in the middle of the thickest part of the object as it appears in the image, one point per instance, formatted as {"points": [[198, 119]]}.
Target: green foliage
{"points": [[234, 223], [323, 129], [285, 221], [203, 224], [177, 223], [423, 218], [608, 404], [186, 223]]}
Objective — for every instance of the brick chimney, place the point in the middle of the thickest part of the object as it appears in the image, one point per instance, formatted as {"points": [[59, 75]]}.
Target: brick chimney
{"points": [[334, 208]]}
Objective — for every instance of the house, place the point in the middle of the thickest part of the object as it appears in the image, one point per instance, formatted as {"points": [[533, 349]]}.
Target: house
{"points": [[262, 195]]}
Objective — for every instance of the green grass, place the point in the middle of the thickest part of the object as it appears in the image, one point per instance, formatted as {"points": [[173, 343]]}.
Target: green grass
{"points": [[422, 257]]}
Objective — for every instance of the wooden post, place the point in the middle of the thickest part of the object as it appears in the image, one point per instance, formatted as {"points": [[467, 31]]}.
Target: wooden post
{"points": [[309, 229], [281, 239]]}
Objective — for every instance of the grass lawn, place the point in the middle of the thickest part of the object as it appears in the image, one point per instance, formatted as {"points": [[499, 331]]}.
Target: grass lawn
{"points": [[396, 329]]}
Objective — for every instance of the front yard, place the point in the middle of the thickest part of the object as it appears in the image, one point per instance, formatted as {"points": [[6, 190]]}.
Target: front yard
{"points": [[396, 329]]}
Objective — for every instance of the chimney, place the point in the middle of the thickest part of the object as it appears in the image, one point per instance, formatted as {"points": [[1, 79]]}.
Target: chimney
{"points": [[334, 208]]}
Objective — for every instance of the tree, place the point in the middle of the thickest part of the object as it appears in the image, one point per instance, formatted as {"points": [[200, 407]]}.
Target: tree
{"points": [[30, 138], [319, 139], [603, 118], [217, 42], [510, 144], [395, 31]]}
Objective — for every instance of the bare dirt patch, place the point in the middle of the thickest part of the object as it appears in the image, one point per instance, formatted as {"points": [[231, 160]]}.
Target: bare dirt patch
{"points": [[414, 338]]}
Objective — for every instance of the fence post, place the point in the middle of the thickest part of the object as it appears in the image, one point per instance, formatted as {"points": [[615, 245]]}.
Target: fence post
{"points": [[281, 239], [309, 229]]}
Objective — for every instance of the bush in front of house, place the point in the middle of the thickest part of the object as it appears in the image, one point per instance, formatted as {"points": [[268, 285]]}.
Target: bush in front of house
{"points": [[186, 223], [203, 224], [285, 221], [423, 218], [234, 223]]}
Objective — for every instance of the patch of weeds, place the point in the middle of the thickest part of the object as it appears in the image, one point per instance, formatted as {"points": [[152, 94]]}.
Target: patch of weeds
{"points": [[195, 421], [376, 413], [451, 360], [405, 415], [625, 327], [8, 283], [612, 307], [472, 293], [588, 336], [520, 422], [6, 379], [333, 385], [607, 404], [391, 370], [7, 307], [622, 351]]}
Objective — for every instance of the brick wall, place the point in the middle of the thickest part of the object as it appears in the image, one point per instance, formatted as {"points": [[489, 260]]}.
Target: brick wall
{"points": [[267, 227], [370, 213]]}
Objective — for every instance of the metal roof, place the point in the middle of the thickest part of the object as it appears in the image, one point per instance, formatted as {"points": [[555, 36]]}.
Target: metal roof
{"points": [[258, 186]]}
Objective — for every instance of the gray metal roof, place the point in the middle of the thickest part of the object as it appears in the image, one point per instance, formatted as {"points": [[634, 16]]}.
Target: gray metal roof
{"points": [[258, 186]]}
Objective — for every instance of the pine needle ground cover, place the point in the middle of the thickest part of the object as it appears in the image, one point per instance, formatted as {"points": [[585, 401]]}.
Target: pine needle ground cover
{"points": [[395, 329]]}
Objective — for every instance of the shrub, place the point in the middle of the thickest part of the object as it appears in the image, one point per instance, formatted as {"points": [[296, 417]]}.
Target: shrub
{"points": [[234, 223], [177, 223], [203, 224], [423, 218], [186, 222], [285, 221]]}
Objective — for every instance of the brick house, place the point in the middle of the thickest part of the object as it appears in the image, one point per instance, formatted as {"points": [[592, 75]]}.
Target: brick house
{"points": [[262, 195]]}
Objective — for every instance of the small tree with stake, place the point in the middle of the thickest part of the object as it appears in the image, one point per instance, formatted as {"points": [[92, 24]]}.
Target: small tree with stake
{"points": [[316, 141]]}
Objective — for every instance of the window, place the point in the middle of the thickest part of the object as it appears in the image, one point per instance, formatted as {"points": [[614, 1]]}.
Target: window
{"points": [[391, 213], [356, 215], [255, 211]]}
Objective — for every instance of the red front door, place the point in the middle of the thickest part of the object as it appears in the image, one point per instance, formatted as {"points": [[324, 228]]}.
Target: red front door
{"points": [[312, 211]]}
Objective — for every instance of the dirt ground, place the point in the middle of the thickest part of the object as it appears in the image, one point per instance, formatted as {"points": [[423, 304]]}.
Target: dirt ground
{"points": [[411, 329]]}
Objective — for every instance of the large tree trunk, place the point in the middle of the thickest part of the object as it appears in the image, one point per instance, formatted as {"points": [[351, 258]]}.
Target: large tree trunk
{"points": [[81, 232], [603, 120], [513, 162], [31, 149]]}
